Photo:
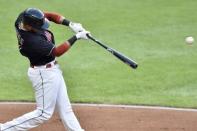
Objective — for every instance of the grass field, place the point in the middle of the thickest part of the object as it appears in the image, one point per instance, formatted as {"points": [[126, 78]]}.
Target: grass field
{"points": [[152, 32]]}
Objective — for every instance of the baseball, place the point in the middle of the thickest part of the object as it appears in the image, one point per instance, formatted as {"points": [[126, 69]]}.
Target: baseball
{"points": [[189, 40]]}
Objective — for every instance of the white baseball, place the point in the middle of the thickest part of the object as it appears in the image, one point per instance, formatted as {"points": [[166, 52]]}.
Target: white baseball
{"points": [[189, 40]]}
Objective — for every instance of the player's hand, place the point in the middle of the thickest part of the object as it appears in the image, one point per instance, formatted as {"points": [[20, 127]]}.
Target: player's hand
{"points": [[82, 35], [76, 27]]}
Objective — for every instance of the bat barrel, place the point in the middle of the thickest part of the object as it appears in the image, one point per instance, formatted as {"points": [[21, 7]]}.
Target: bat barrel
{"points": [[125, 59], [117, 54]]}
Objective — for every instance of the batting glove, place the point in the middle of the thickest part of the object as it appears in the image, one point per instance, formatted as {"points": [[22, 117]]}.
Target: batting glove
{"points": [[82, 35], [76, 27]]}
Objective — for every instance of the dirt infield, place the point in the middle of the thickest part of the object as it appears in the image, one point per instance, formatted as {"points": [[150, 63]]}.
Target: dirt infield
{"points": [[113, 118]]}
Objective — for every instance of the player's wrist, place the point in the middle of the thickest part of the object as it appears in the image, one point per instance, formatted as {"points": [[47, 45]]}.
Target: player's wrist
{"points": [[72, 40], [65, 22]]}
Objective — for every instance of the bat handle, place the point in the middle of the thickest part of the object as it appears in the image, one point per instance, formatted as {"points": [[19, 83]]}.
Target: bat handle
{"points": [[90, 37]]}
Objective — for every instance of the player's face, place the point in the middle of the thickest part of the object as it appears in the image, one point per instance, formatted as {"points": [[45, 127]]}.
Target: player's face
{"points": [[29, 28]]}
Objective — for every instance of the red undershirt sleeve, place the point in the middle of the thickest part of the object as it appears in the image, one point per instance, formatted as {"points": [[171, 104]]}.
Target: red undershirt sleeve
{"points": [[61, 49], [54, 17]]}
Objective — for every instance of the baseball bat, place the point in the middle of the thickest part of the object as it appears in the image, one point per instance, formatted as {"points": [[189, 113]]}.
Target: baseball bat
{"points": [[117, 54]]}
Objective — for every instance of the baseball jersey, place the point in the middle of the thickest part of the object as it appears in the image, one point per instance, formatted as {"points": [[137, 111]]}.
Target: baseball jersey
{"points": [[36, 46]]}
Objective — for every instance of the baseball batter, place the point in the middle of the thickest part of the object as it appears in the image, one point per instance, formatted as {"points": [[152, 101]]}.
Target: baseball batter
{"points": [[37, 43]]}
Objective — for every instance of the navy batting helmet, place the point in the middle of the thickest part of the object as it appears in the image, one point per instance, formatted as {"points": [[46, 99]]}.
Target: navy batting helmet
{"points": [[35, 18]]}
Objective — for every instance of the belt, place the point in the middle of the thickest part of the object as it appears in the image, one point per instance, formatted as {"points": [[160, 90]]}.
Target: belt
{"points": [[48, 65]]}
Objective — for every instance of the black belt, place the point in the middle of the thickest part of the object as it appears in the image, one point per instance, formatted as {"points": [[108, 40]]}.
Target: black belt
{"points": [[49, 65]]}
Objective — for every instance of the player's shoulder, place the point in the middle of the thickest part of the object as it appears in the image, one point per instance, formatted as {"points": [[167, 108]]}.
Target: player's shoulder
{"points": [[29, 37]]}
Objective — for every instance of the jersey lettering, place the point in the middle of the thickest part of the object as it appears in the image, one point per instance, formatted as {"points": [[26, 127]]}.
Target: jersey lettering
{"points": [[48, 35]]}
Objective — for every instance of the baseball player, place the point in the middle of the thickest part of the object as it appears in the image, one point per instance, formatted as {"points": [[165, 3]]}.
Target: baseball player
{"points": [[37, 43]]}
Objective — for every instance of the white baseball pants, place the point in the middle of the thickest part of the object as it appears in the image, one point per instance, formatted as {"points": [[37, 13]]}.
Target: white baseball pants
{"points": [[50, 93]]}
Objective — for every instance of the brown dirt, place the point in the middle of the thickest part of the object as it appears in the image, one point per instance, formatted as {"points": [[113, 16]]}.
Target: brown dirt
{"points": [[94, 118]]}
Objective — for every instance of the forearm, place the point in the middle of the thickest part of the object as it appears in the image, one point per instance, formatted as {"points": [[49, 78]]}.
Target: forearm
{"points": [[57, 18], [64, 47]]}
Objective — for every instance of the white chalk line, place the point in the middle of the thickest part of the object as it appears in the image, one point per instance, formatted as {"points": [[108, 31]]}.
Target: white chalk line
{"points": [[112, 106]]}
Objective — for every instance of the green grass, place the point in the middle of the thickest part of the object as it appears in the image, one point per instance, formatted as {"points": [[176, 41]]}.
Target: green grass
{"points": [[152, 32]]}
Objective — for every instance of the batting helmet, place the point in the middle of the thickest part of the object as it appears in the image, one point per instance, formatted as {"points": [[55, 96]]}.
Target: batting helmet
{"points": [[35, 18]]}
